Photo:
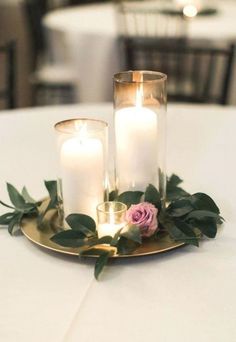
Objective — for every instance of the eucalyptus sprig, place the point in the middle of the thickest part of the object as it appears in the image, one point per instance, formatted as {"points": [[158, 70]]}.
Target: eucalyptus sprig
{"points": [[186, 219], [83, 235], [173, 190], [23, 205]]}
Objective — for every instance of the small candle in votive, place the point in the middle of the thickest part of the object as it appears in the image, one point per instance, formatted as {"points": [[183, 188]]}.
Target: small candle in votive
{"points": [[111, 218]]}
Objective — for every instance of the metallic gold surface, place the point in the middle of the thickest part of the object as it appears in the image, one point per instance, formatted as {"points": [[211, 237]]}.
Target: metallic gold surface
{"points": [[42, 237]]}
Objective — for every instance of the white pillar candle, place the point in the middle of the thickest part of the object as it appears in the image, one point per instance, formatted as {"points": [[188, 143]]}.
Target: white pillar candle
{"points": [[82, 166], [136, 148]]}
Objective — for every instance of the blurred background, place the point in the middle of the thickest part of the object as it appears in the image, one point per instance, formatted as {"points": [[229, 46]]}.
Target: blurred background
{"points": [[66, 51]]}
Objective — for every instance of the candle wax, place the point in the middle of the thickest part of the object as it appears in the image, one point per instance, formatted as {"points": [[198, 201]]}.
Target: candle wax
{"points": [[109, 228], [136, 148], [82, 164]]}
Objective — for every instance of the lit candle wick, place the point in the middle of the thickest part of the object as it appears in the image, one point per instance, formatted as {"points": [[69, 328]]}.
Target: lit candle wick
{"points": [[81, 132]]}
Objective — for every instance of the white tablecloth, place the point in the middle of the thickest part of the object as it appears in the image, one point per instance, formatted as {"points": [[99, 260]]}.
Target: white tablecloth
{"points": [[187, 294], [86, 38]]}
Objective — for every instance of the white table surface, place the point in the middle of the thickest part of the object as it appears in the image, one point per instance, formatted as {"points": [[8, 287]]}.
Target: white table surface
{"points": [[187, 294], [86, 38], [103, 19]]}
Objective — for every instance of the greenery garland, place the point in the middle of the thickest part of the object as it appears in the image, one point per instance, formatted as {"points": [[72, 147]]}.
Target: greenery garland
{"points": [[186, 219]]}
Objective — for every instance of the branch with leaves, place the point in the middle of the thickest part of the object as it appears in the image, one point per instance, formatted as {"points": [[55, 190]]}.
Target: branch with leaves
{"points": [[186, 219], [23, 205]]}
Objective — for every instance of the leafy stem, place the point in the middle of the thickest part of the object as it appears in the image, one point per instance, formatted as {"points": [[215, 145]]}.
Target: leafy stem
{"points": [[23, 206], [186, 218]]}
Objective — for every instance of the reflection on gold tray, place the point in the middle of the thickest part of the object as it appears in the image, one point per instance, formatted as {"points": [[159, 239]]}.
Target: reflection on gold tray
{"points": [[42, 238]]}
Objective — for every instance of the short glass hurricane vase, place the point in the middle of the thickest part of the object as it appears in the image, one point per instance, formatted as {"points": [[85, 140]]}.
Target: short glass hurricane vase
{"points": [[111, 218], [140, 102], [83, 175]]}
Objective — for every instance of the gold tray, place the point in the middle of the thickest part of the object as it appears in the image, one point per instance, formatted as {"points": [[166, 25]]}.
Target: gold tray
{"points": [[42, 238]]}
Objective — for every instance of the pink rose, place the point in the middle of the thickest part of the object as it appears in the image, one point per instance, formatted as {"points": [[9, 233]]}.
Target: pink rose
{"points": [[143, 215]]}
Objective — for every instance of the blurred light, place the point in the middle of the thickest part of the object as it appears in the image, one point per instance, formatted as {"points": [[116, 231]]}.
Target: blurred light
{"points": [[190, 11]]}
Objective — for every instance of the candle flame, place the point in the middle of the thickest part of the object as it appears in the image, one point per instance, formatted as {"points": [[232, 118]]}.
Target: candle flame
{"points": [[81, 130]]}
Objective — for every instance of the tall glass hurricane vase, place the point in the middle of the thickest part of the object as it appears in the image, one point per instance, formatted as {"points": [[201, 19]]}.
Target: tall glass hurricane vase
{"points": [[82, 147], [140, 128]]}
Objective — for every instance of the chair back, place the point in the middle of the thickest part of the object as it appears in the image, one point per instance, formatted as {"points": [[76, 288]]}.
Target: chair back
{"points": [[195, 74], [7, 72], [149, 19], [34, 12]]}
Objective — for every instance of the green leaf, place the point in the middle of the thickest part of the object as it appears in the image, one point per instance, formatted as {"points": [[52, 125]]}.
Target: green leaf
{"points": [[202, 201], [5, 219], [179, 230], [16, 198], [130, 197], [203, 214], [82, 223], [30, 209], [133, 233], [174, 180], [70, 238], [173, 192], [52, 190], [163, 217], [180, 207], [51, 187], [126, 246], [116, 237], [101, 262], [153, 196], [185, 233], [208, 227], [14, 224], [27, 196], [104, 240], [113, 195], [54, 201]]}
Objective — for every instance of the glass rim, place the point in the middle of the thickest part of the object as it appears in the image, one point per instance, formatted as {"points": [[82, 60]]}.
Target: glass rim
{"points": [[110, 202], [163, 77], [60, 124]]}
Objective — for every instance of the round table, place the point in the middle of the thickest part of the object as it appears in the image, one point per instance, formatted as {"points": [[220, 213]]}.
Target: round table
{"points": [[169, 297], [87, 38]]}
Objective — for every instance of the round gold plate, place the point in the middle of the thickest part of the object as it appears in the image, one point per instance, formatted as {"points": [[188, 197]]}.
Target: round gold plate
{"points": [[42, 238]]}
